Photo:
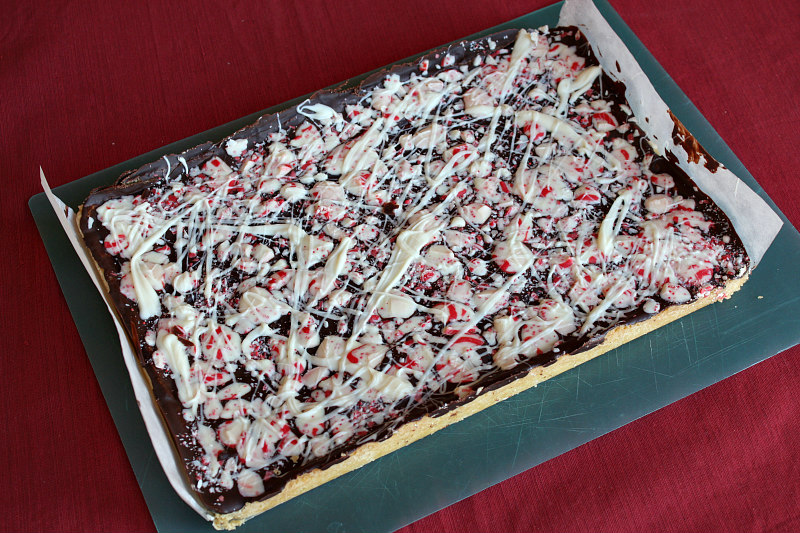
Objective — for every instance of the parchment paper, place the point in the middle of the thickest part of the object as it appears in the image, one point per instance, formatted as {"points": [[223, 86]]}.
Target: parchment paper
{"points": [[756, 223], [152, 420]]}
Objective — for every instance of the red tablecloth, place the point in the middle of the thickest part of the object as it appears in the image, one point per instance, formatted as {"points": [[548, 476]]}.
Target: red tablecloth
{"points": [[86, 85]]}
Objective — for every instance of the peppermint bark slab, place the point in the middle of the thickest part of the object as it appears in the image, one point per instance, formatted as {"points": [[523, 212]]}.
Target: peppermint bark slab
{"points": [[324, 286]]}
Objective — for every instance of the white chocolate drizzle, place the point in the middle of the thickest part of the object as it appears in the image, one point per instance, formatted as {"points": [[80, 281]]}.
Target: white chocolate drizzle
{"points": [[399, 253]]}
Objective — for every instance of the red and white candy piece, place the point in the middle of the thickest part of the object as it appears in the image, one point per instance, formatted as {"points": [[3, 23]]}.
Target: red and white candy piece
{"points": [[249, 484], [588, 195], [512, 256], [476, 213], [221, 343], [451, 312], [674, 293], [367, 354], [397, 305]]}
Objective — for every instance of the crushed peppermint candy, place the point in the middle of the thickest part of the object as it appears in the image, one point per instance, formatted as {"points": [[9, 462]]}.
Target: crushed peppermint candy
{"points": [[394, 253]]}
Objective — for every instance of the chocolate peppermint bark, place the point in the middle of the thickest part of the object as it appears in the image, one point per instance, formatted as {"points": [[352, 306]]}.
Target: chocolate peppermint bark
{"points": [[384, 255]]}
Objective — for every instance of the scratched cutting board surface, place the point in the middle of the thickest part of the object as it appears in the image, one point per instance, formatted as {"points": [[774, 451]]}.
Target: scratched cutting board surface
{"points": [[506, 439]]}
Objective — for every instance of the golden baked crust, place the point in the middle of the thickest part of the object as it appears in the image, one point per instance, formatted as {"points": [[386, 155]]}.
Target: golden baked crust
{"points": [[414, 431]]}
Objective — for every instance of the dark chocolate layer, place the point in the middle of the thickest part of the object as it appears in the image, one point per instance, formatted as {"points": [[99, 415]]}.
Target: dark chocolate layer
{"points": [[154, 176]]}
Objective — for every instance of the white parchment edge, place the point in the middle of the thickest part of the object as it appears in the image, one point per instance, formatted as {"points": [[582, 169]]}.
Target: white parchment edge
{"points": [[152, 419], [756, 223]]}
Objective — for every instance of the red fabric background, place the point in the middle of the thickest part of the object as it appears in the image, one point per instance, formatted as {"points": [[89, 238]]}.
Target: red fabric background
{"points": [[86, 85]]}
